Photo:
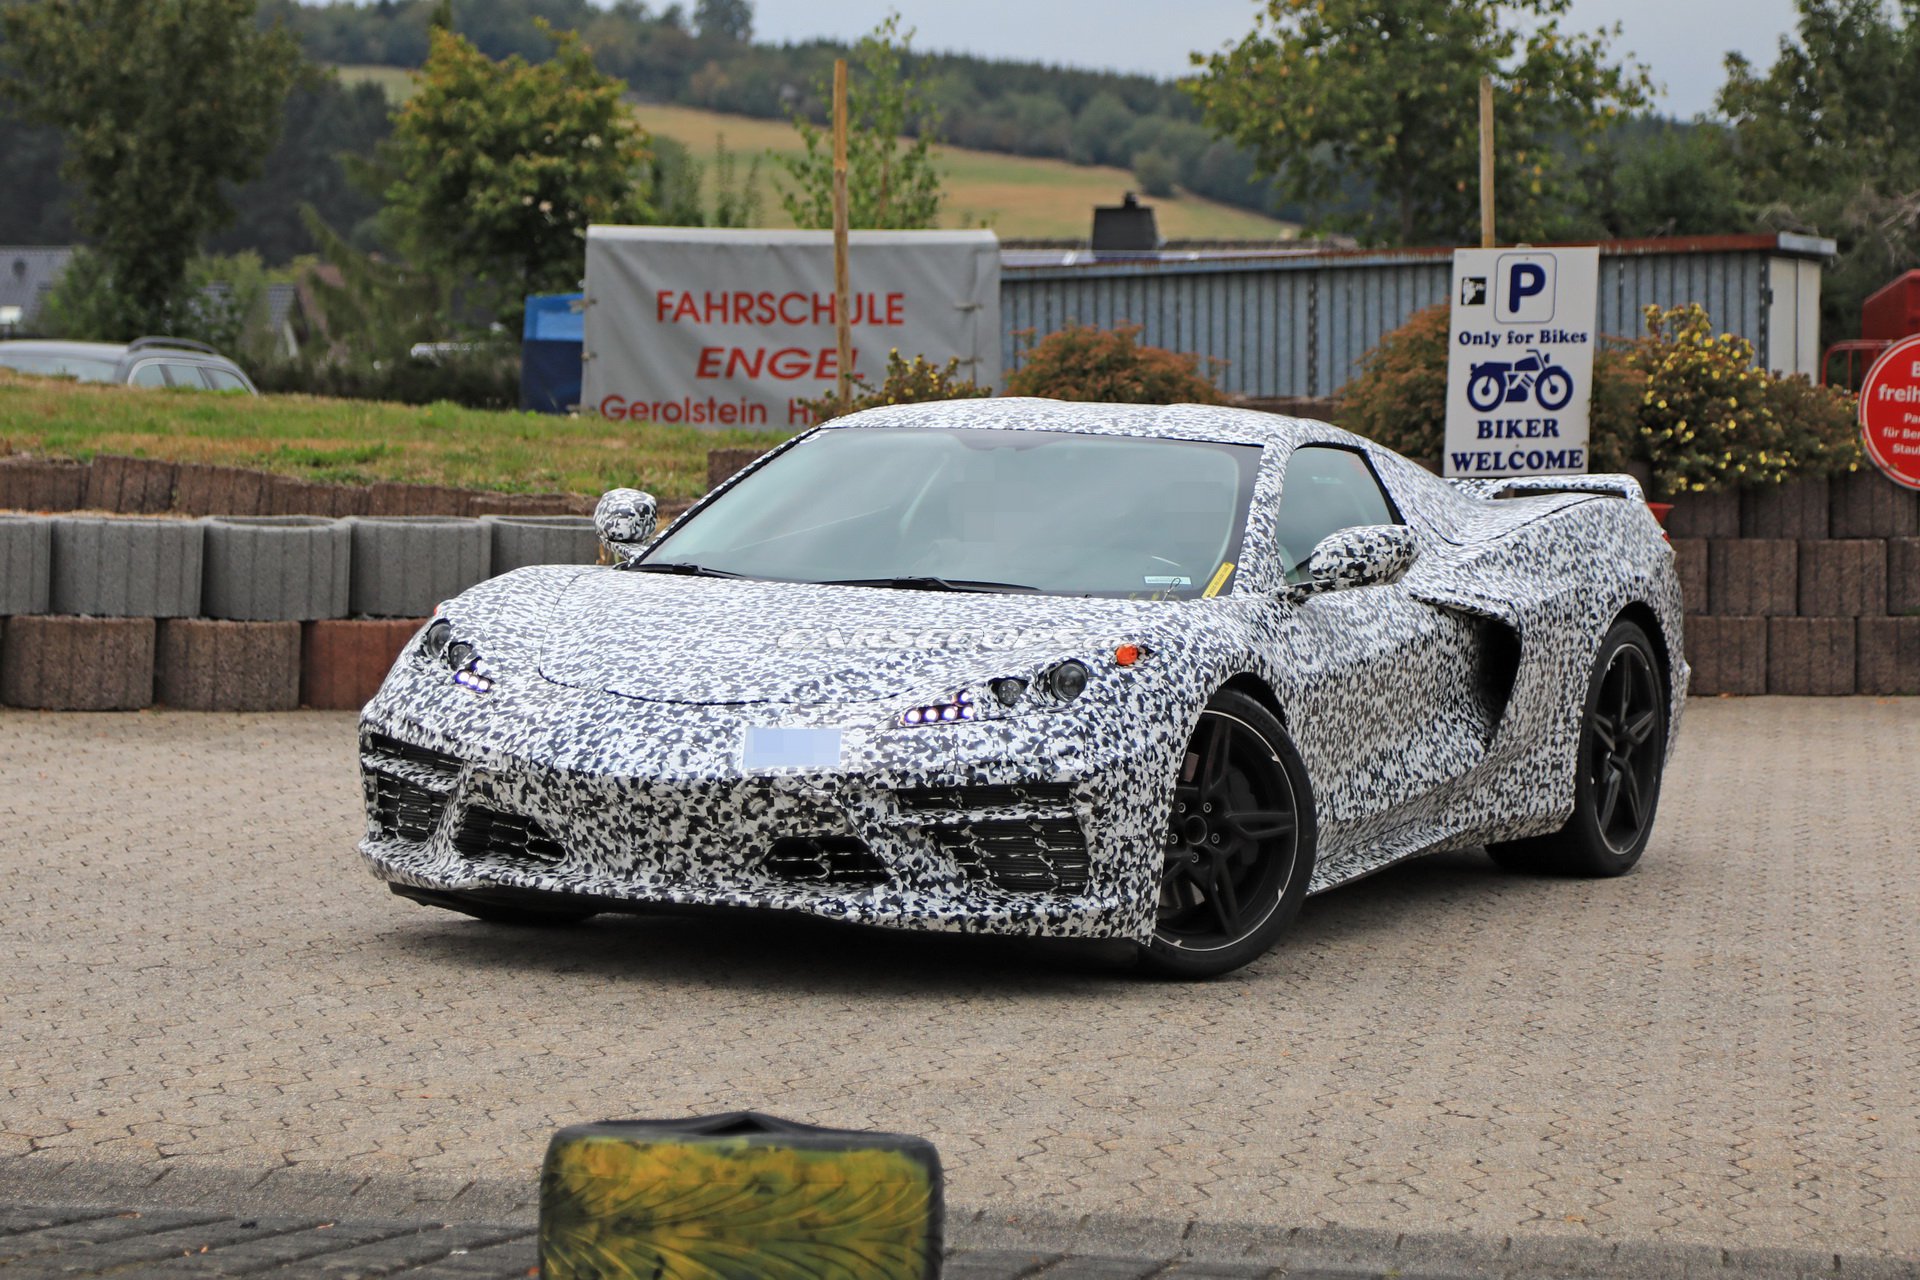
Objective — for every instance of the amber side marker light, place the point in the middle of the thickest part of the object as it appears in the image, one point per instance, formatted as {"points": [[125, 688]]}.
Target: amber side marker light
{"points": [[1126, 655]]}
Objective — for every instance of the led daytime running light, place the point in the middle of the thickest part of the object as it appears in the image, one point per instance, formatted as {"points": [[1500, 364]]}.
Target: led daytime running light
{"points": [[957, 708]]}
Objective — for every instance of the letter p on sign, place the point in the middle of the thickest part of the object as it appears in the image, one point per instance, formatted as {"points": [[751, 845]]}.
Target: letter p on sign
{"points": [[1525, 288]]}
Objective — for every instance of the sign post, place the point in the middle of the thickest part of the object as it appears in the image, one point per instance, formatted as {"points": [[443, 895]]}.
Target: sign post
{"points": [[842, 291], [1890, 412], [1520, 361]]}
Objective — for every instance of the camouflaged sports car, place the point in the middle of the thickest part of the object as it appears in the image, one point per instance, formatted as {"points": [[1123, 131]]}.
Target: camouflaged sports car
{"points": [[1020, 667]]}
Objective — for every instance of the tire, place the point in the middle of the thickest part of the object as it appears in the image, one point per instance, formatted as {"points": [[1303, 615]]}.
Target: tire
{"points": [[1242, 808], [1486, 391], [1616, 791], [1554, 390]]}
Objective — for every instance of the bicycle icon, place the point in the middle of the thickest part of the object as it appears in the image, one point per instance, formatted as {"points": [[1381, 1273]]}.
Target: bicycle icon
{"points": [[1497, 382]]}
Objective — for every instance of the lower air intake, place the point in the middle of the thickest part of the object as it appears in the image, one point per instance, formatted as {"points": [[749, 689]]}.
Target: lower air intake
{"points": [[825, 860], [1023, 855], [491, 835], [401, 810]]}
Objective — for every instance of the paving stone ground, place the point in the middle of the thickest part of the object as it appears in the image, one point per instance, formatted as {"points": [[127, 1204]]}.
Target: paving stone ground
{"points": [[1711, 1061]]}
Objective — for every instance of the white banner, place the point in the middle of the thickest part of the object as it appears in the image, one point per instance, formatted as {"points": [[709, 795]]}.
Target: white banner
{"points": [[724, 328], [1520, 365]]}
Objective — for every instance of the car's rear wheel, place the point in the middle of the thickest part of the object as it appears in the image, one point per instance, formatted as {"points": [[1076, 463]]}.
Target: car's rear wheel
{"points": [[1622, 754], [1240, 843]]}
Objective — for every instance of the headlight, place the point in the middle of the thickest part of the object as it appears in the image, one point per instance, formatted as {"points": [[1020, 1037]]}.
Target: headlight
{"points": [[1067, 681], [470, 671]]}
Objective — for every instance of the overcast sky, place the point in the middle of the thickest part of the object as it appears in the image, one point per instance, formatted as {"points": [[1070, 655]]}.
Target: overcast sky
{"points": [[1682, 41]]}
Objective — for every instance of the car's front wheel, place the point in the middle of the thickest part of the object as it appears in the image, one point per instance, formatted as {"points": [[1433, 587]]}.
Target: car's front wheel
{"points": [[1239, 845], [1622, 753]]}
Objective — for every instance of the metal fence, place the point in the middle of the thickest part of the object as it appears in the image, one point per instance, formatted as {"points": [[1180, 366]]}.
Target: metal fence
{"points": [[1296, 323]]}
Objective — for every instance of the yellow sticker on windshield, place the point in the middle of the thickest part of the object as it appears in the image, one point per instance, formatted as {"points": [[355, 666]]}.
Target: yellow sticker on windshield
{"points": [[1219, 580]]}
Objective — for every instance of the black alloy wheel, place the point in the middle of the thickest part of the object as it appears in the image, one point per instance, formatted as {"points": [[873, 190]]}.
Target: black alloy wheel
{"points": [[1622, 754], [1240, 843]]}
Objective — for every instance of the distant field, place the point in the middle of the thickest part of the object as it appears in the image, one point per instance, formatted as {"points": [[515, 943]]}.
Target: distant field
{"points": [[1017, 196], [360, 441]]}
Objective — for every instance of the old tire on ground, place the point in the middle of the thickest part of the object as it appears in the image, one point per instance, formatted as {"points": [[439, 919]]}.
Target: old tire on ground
{"points": [[405, 565], [1621, 756], [1240, 843], [276, 568], [519, 541]]}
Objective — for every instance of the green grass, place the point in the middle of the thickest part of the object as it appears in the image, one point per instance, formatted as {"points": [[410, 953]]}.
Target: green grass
{"points": [[359, 441], [1019, 197]]}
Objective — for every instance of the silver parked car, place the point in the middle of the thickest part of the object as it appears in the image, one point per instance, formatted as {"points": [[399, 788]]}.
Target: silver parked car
{"points": [[144, 362]]}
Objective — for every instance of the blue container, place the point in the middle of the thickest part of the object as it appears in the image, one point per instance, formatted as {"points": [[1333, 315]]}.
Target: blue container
{"points": [[551, 344]]}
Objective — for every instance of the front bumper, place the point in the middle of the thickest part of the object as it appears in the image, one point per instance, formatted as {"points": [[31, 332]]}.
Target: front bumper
{"points": [[985, 827]]}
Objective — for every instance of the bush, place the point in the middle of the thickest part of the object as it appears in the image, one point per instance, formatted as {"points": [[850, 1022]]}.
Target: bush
{"points": [[907, 382], [1709, 420], [1109, 366], [1156, 172], [487, 377], [1687, 406]]}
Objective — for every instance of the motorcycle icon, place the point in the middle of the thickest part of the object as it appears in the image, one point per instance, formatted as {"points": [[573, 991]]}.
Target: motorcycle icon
{"points": [[1498, 382]]}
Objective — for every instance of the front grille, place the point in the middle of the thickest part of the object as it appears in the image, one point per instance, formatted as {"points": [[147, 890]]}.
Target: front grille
{"points": [[384, 747], [989, 796], [402, 810], [828, 860], [491, 835], [1024, 855]]}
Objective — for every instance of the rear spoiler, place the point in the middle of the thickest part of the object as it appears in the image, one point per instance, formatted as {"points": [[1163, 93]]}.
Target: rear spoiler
{"points": [[1612, 486]]}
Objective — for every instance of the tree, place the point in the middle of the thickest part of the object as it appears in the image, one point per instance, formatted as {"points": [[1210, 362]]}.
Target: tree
{"points": [[498, 167], [161, 104], [1333, 90], [1825, 142], [730, 20], [891, 180]]}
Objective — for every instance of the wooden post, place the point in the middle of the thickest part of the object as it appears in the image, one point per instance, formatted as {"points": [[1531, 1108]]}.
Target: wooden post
{"points": [[841, 290], [1486, 162]]}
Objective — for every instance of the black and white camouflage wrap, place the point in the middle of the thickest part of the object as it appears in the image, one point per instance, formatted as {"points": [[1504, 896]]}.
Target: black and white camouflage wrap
{"points": [[1434, 710]]}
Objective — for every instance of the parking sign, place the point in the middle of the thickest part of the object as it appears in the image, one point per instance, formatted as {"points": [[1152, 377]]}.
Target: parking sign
{"points": [[1520, 361]]}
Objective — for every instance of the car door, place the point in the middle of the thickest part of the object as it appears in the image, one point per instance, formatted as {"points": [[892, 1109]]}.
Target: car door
{"points": [[1382, 717]]}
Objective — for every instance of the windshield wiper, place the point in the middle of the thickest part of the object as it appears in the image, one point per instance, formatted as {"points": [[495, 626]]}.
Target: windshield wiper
{"points": [[683, 567], [933, 584]]}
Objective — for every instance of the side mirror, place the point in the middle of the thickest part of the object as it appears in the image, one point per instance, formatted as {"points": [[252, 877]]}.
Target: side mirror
{"points": [[1363, 556], [624, 519]]}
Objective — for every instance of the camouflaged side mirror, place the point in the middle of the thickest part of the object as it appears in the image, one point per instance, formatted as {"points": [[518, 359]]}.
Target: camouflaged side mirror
{"points": [[1363, 556], [624, 519]]}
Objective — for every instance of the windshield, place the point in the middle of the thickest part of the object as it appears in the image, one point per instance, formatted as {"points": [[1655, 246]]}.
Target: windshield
{"points": [[84, 368], [1049, 511]]}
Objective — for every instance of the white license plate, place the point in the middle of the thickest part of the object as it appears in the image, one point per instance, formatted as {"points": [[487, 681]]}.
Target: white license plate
{"points": [[770, 748]]}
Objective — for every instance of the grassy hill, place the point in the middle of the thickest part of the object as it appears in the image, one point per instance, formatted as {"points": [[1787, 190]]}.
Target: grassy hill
{"points": [[1019, 197]]}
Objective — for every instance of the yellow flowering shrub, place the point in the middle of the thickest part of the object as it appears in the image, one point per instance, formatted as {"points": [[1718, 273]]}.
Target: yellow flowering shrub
{"points": [[1710, 420], [906, 382]]}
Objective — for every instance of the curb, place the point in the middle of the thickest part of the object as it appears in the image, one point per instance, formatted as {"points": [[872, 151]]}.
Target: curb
{"points": [[343, 663], [403, 566], [54, 663], [519, 541], [276, 568], [204, 665], [26, 558], [126, 567]]}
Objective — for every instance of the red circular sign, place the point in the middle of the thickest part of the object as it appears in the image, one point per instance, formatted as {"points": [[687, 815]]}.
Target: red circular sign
{"points": [[1890, 412]]}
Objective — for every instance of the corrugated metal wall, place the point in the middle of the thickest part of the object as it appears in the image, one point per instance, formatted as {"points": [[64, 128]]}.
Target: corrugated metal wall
{"points": [[1297, 326]]}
